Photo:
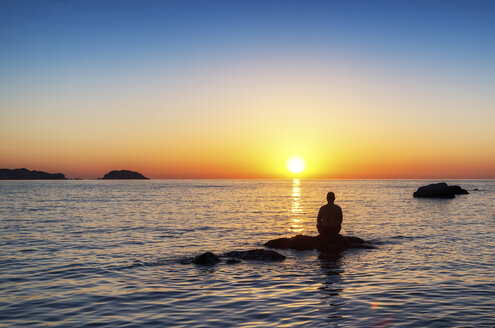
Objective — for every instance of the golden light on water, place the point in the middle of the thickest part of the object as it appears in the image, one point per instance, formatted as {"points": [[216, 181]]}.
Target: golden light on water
{"points": [[296, 197], [296, 208], [296, 165]]}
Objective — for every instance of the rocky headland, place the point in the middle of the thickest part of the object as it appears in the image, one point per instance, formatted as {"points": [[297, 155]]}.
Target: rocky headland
{"points": [[25, 174]]}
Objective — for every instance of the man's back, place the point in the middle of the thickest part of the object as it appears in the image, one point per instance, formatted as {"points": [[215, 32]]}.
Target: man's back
{"points": [[330, 215]]}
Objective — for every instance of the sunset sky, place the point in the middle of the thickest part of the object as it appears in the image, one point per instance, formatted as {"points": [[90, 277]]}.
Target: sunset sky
{"points": [[234, 89]]}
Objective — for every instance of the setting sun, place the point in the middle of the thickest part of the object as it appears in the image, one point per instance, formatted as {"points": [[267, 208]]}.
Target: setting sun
{"points": [[295, 165]]}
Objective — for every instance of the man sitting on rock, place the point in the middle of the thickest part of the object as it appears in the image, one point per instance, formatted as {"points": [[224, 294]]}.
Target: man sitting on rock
{"points": [[329, 220]]}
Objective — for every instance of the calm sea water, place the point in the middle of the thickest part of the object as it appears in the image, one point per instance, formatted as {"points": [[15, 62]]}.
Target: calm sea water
{"points": [[106, 254]]}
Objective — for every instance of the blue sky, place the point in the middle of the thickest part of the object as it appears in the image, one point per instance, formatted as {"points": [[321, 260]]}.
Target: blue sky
{"points": [[56, 33]]}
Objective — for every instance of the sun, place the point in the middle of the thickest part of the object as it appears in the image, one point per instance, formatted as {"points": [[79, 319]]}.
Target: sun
{"points": [[296, 165]]}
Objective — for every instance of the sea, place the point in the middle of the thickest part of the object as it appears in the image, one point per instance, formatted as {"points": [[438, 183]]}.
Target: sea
{"points": [[111, 254]]}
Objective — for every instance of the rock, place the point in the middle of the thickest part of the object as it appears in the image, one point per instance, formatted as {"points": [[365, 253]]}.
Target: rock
{"points": [[458, 190], [232, 261], [302, 242], [24, 174], [439, 190], [298, 242], [207, 258], [123, 175], [256, 255], [355, 240]]}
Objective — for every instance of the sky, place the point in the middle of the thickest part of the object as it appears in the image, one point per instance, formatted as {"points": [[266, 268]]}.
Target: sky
{"points": [[235, 89]]}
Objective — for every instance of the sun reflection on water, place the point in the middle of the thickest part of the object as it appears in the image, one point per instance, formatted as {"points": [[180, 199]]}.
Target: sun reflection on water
{"points": [[296, 210]]}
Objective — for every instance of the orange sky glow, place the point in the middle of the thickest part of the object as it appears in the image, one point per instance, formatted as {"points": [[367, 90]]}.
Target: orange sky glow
{"points": [[242, 110], [344, 123]]}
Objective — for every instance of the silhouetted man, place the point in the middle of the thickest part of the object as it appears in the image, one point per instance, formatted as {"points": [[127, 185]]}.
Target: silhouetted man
{"points": [[329, 220]]}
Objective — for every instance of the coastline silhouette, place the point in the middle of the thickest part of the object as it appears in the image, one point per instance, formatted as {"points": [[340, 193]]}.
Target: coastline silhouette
{"points": [[25, 174]]}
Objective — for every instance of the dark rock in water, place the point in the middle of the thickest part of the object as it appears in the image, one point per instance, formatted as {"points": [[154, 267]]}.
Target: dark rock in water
{"points": [[324, 244], [24, 174], [232, 261], [439, 190], [355, 240], [327, 245], [123, 175], [235, 257], [299, 242], [458, 190], [207, 258], [256, 255]]}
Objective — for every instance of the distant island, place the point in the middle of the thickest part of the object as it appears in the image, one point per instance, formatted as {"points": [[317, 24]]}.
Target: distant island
{"points": [[25, 174], [123, 174]]}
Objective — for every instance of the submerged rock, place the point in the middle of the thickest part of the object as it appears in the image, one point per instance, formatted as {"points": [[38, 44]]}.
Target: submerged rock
{"points": [[232, 261], [356, 242], [439, 190], [256, 255], [302, 242], [207, 258], [234, 257]]}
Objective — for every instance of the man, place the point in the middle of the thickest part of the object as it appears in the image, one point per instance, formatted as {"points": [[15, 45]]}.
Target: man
{"points": [[329, 220]]}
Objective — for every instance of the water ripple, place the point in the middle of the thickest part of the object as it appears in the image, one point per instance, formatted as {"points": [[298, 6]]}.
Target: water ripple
{"points": [[100, 254]]}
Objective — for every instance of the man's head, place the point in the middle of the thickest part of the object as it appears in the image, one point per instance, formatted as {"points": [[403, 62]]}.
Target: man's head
{"points": [[330, 197]]}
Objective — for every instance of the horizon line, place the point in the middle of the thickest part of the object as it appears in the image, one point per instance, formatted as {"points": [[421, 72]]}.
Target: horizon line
{"points": [[281, 179]]}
